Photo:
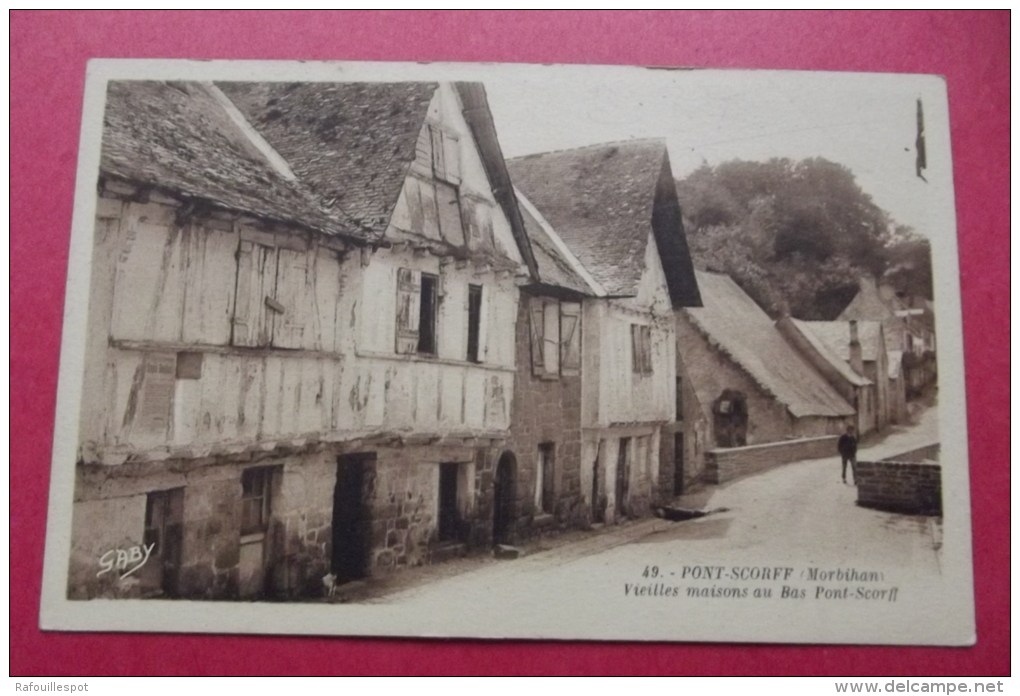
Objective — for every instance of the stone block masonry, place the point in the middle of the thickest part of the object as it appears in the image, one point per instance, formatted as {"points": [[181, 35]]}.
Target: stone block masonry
{"points": [[910, 483], [727, 464]]}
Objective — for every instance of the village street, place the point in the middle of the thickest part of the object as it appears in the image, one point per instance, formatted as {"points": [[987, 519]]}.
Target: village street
{"points": [[799, 514]]}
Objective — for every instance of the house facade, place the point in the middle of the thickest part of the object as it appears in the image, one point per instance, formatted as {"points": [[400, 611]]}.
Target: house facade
{"points": [[752, 385], [613, 211], [301, 347], [851, 356], [908, 323]]}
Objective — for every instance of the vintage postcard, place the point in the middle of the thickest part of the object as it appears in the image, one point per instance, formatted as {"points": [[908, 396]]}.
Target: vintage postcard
{"points": [[498, 351]]}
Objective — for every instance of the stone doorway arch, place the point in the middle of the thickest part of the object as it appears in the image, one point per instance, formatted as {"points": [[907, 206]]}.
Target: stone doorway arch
{"points": [[504, 513]]}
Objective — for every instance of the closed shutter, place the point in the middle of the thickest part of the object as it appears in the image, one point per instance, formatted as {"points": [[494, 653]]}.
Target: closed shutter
{"points": [[408, 310], [551, 338], [294, 297], [537, 330], [256, 281], [438, 153], [570, 337], [451, 158], [450, 224]]}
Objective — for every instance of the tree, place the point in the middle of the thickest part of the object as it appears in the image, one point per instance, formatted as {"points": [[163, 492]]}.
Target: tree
{"points": [[796, 236]]}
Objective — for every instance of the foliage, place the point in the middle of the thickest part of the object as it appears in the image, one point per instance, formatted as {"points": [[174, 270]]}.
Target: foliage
{"points": [[796, 236]]}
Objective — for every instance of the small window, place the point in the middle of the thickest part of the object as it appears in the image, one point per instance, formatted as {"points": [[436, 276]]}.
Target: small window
{"points": [[474, 322], [427, 314], [256, 494], [545, 479], [641, 345]]}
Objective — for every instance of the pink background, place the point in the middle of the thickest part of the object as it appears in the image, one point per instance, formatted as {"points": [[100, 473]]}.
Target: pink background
{"points": [[49, 51]]}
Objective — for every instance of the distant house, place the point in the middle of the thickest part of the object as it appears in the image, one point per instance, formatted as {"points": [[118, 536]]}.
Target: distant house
{"points": [[300, 354], [753, 385], [611, 211], [851, 355], [909, 326]]}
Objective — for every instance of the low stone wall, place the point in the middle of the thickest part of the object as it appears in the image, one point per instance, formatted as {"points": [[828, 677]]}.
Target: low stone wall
{"points": [[729, 463], [909, 483]]}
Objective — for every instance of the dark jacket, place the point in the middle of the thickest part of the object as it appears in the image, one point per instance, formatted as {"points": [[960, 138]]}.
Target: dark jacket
{"points": [[847, 445]]}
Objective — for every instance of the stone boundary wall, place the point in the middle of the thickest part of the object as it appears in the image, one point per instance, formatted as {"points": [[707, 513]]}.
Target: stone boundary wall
{"points": [[729, 463], [905, 483]]}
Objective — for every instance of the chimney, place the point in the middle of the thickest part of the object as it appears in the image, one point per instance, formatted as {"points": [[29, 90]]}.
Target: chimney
{"points": [[856, 354]]}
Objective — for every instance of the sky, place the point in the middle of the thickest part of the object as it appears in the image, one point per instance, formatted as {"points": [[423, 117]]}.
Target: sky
{"points": [[866, 122]]}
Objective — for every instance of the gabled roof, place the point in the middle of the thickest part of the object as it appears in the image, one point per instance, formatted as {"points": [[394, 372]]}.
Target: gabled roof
{"points": [[553, 269], [829, 351], [732, 321], [868, 304], [836, 336], [600, 200], [351, 143], [177, 137]]}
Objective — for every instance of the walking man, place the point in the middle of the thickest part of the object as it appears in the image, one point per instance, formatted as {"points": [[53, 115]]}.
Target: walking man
{"points": [[847, 447]]}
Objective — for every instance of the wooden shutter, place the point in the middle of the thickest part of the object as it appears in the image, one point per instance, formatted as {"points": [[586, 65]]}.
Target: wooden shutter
{"points": [[451, 158], [450, 224], [537, 330], [294, 296], [430, 215], [408, 310], [438, 153], [570, 337], [551, 338], [256, 280]]}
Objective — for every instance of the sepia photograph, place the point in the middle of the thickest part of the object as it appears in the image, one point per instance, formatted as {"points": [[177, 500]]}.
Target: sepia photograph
{"points": [[493, 351]]}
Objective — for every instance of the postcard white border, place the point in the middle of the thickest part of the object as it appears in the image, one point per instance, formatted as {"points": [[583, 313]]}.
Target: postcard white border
{"points": [[939, 614]]}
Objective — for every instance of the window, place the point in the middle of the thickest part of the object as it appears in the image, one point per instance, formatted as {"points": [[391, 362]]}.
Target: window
{"points": [[417, 309], [474, 322], [641, 348], [555, 337], [256, 494], [273, 293], [545, 479], [427, 314], [155, 402], [164, 536]]}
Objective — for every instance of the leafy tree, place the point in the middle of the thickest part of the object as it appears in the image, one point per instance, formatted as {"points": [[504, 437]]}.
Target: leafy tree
{"points": [[796, 235]]}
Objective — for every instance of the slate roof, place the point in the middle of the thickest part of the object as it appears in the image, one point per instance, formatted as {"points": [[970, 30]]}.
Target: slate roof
{"points": [[838, 358], [599, 199], [553, 269], [177, 137], [742, 330], [350, 142], [836, 336]]}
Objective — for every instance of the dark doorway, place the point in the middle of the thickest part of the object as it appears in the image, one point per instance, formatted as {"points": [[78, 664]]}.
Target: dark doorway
{"points": [[622, 475], [504, 491], [352, 536], [729, 415], [164, 534], [678, 463], [448, 515]]}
